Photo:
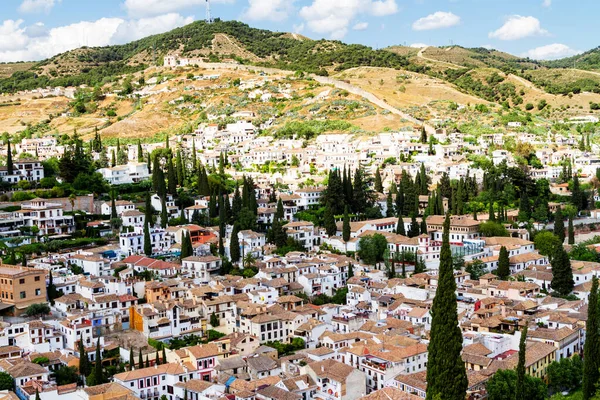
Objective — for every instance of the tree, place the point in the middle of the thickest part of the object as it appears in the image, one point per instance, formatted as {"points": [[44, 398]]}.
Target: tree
{"points": [[545, 242], [559, 225], [503, 264], [66, 375], [565, 374], [400, 229], [446, 374], [234, 244], [9, 160], [389, 205], [591, 348], [164, 355], [329, 221], [520, 386], [372, 248], [350, 270], [475, 268], [571, 231], [147, 239], [131, 362], [6, 381], [37, 310], [378, 181], [140, 360], [562, 274], [214, 320], [491, 229], [186, 246], [51, 289], [502, 386], [414, 227], [98, 371], [84, 362], [346, 226], [171, 178]]}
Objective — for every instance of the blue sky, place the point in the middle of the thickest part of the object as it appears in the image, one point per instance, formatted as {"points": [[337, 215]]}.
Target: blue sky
{"points": [[543, 29]]}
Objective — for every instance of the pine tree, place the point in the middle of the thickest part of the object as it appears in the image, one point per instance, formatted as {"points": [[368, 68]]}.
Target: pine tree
{"points": [[400, 230], [559, 225], [446, 375], [562, 274], [9, 160], [503, 264], [234, 244], [520, 384], [591, 348], [378, 182], [571, 231], [346, 226]]}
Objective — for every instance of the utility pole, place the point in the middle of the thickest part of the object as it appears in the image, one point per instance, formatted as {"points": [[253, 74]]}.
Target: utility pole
{"points": [[208, 16]]}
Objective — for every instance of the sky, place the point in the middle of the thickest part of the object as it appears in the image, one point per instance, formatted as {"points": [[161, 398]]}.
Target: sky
{"points": [[540, 29]]}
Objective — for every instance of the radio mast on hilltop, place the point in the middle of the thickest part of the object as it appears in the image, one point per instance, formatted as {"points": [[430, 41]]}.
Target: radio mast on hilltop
{"points": [[208, 16]]}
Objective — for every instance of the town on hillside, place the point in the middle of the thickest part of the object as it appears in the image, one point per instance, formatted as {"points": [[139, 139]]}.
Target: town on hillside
{"points": [[215, 226]]}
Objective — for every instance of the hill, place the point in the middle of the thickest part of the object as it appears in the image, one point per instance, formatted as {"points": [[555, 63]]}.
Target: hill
{"points": [[589, 60], [221, 39]]}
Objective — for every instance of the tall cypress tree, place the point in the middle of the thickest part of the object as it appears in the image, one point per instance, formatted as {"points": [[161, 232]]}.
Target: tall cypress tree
{"points": [[131, 362], [9, 160], [414, 227], [571, 231], [520, 385], [559, 225], [98, 371], [113, 207], [147, 239], [84, 362], [180, 169], [346, 227], [140, 152], [194, 159], [446, 374], [503, 264], [171, 178], [113, 158], [140, 360], [591, 348], [234, 244], [400, 229], [378, 181], [562, 273], [164, 215], [389, 203], [329, 222]]}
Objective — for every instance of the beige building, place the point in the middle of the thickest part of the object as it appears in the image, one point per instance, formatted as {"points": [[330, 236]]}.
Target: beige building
{"points": [[21, 287]]}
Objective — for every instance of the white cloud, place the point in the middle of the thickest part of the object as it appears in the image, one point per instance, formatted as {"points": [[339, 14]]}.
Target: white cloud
{"points": [[298, 28], [518, 27], [488, 46], [360, 26], [145, 8], [36, 30], [419, 45], [551, 52], [36, 6], [332, 18], [17, 44], [271, 10], [547, 3], [437, 20]]}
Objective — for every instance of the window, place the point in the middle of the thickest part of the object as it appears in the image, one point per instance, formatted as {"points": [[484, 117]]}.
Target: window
{"points": [[22, 295], [38, 292], [21, 281], [37, 278]]}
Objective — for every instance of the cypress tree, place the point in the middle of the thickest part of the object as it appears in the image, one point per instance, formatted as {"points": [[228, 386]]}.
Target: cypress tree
{"points": [[164, 355], [577, 196], [346, 227], [524, 207], [400, 230], [113, 207], [236, 205], [147, 362], [378, 182], [98, 371], [180, 169], [414, 227], [140, 360], [503, 264], [400, 200], [156, 175], [491, 215], [221, 246], [171, 178], [562, 273], [424, 225], [131, 363], [591, 348], [234, 244], [9, 160], [571, 231], [148, 212], [84, 363], [559, 225], [446, 374], [350, 271], [113, 158], [164, 216], [329, 222], [194, 159], [156, 358], [140, 152], [520, 384], [147, 239], [389, 209]]}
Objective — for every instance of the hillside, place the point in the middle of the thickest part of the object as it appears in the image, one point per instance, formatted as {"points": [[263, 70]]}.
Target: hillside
{"points": [[221, 39], [588, 60]]}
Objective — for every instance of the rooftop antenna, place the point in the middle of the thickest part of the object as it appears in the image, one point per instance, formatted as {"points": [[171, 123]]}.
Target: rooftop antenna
{"points": [[209, 19]]}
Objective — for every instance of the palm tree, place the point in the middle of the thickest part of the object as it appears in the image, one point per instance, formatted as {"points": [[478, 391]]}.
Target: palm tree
{"points": [[72, 199], [249, 261]]}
